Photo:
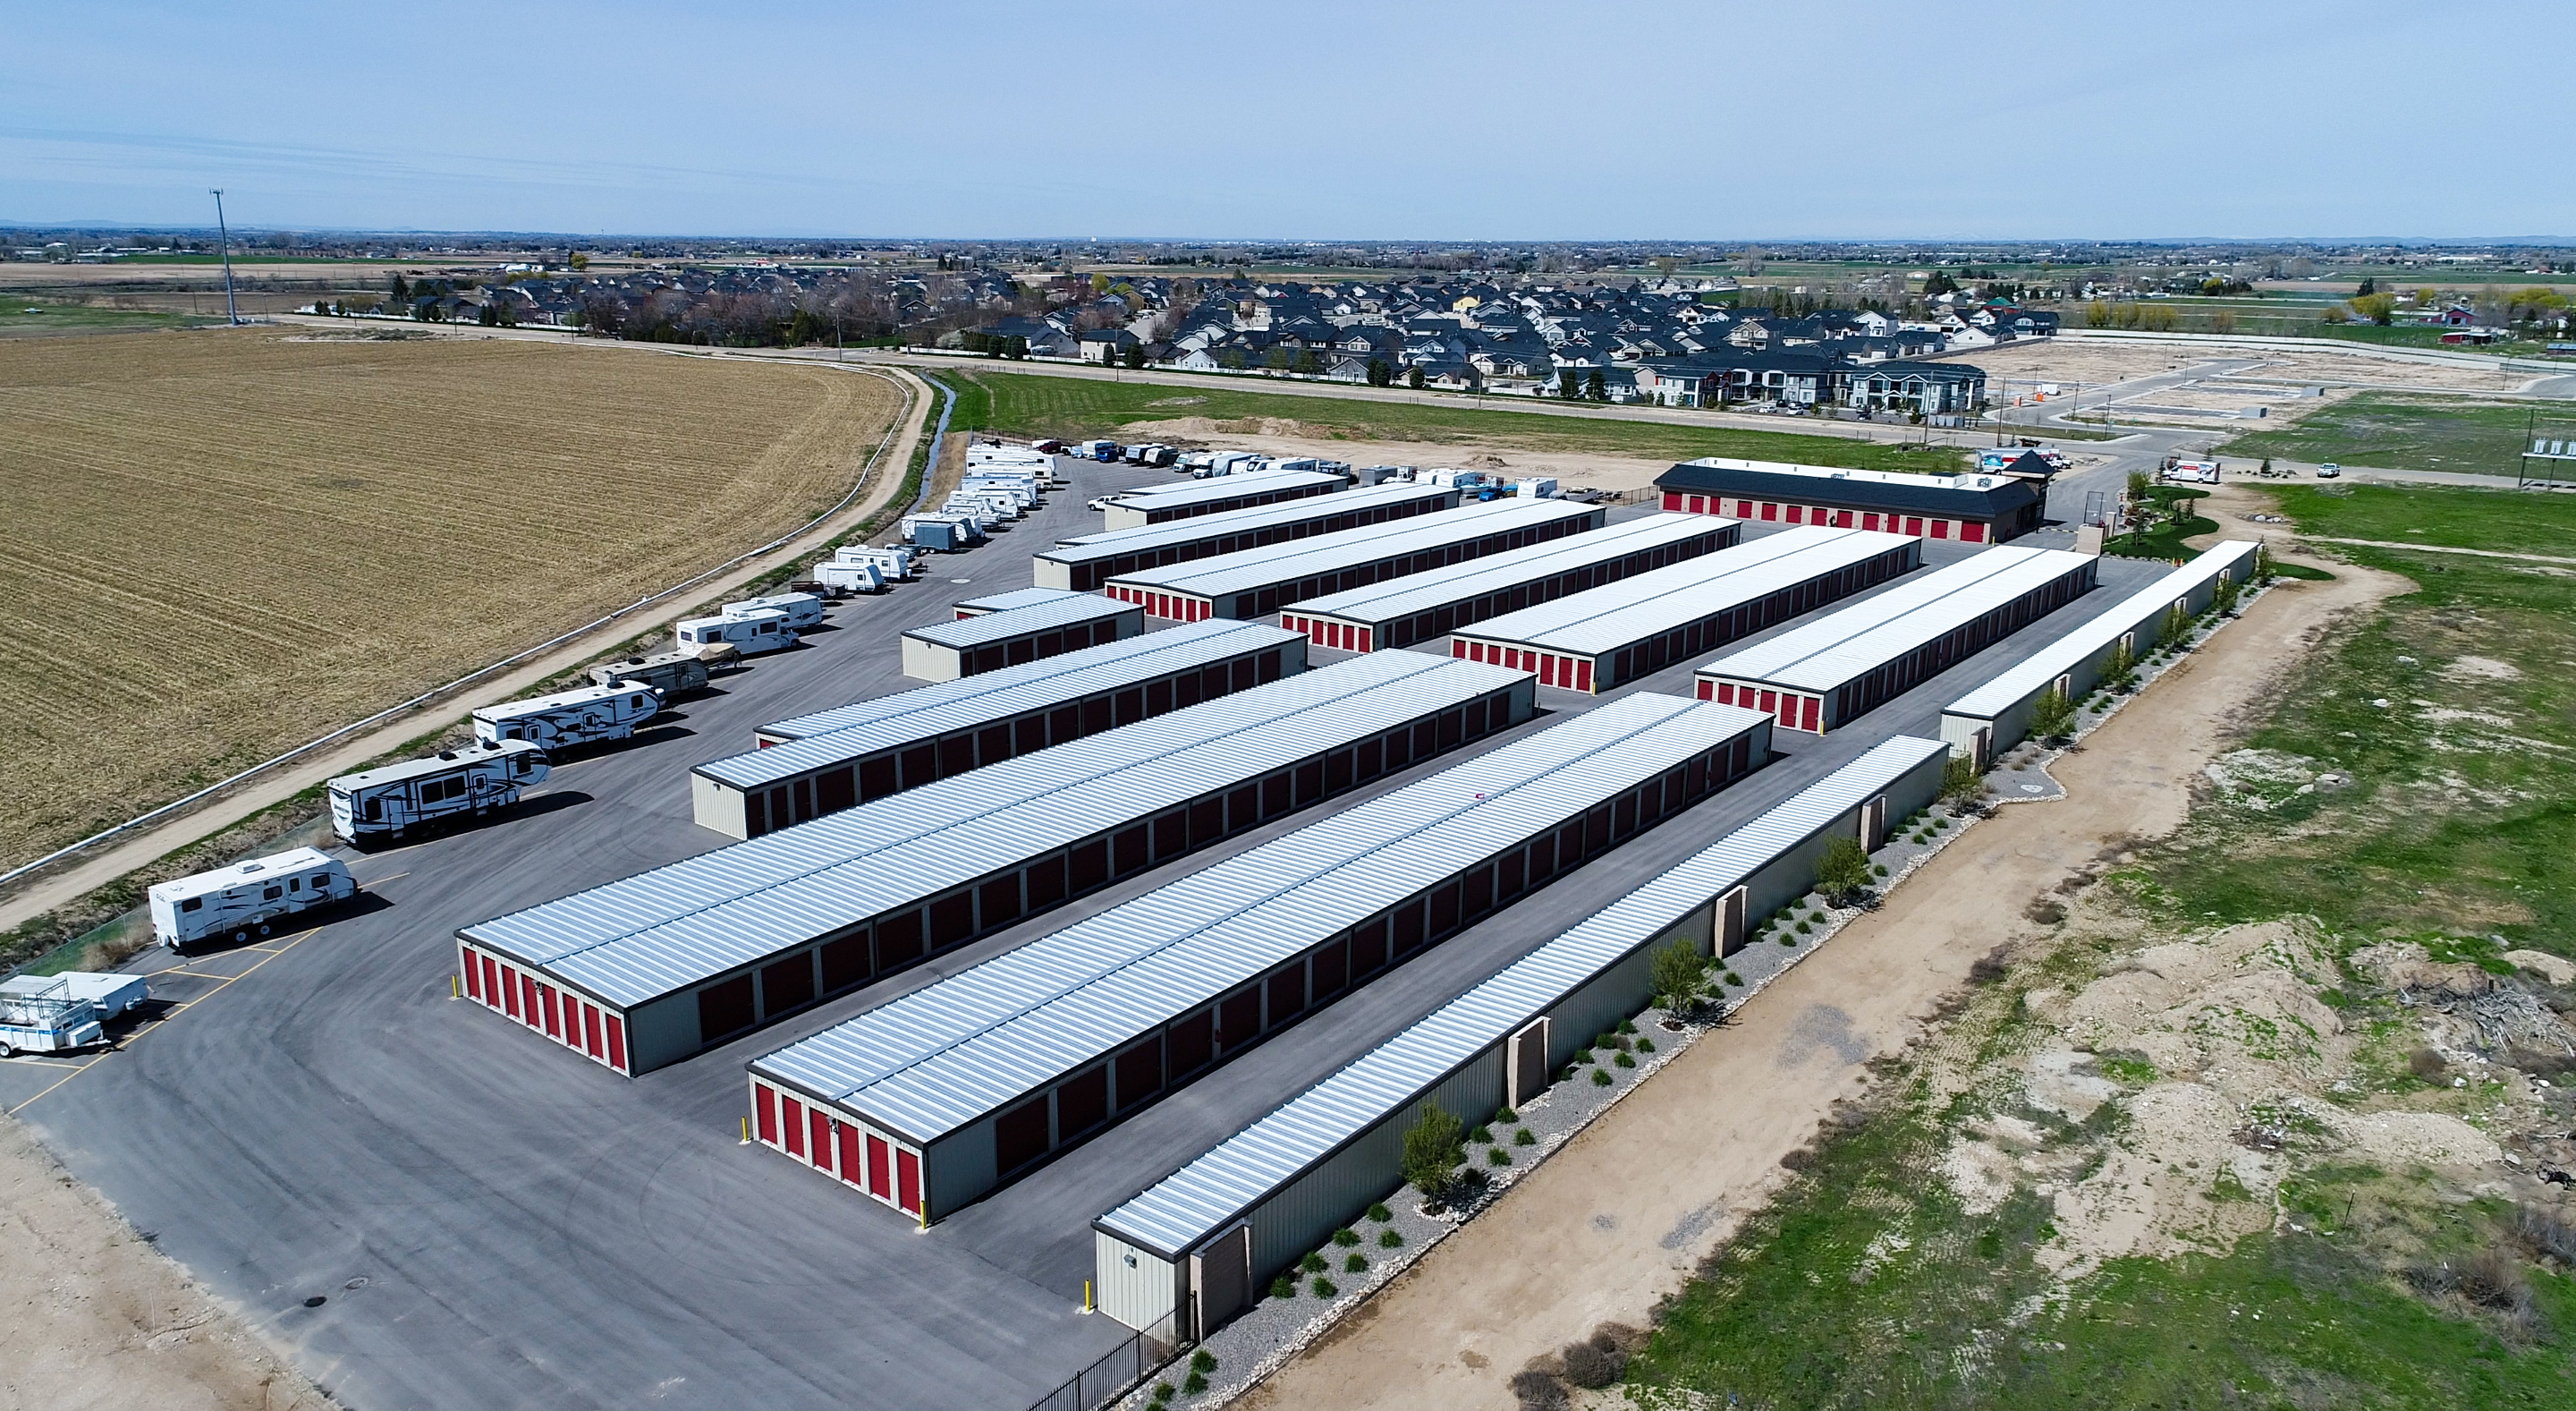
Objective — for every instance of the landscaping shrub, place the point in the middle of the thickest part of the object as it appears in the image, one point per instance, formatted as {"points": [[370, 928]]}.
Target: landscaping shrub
{"points": [[1432, 1150], [1197, 1383], [1380, 1214], [1506, 1116], [1537, 1391], [1324, 1287], [1389, 1239], [1623, 1060], [1346, 1237], [1600, 1078], [1202, 1361], [1496, 1156], [1312, 1264], [1592, 1364], [1285, 1286], [1524, 1137], [1355, 1264]]}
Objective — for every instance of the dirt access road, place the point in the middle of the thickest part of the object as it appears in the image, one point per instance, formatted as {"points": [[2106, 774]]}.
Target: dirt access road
{"points": [[1621, 1216]]}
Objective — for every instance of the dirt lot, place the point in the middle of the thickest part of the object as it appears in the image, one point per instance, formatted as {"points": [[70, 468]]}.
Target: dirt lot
{"points": [[95, 1317], [2099, 364], [1622, 1216], [229, 541]]}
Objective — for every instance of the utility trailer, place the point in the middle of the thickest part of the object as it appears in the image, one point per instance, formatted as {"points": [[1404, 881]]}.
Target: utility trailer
{"points": [[568, 718], [671, 674], [110, 992], [50, 1021], [383, 803], [247, 898]]}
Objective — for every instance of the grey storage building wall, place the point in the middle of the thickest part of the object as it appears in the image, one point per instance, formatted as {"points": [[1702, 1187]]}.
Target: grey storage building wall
{"points": [[989, 641], [1085, 562], [1182, 1256]]}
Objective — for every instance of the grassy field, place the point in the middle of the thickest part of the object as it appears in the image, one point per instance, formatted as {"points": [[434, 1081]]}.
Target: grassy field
{"points": [[226, 542], [1022, 404], [2508, 521], [2333, 1280], [18, 318], [2400, 432]]}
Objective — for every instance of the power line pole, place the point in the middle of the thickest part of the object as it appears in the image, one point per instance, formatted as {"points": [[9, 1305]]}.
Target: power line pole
{"points": [[224, 242]]}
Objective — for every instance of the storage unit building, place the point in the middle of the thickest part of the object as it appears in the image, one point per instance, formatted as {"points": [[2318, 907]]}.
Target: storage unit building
{"points": [[1974, 509], [1086, 561], [1161, 504], [973, 1081], [1611, 635], [1187, 1253], [1996, 715], [1252, 583], [824, 763], [971, 646], [1423, 606], [1011, 601], [691, 954], [1826, 673]]}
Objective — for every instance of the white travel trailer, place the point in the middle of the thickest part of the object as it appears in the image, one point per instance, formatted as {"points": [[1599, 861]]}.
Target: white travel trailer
{"points": [[569, 717], [241, 901], [1022, 490], [803, 609], [382, 803], [894, 562], [850, 577], [48, 1021], [110, 992], [749, 634], [1537, 490]]}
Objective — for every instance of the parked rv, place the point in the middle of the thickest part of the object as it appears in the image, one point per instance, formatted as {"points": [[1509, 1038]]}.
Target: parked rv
{"points": [[750, 634], [1195, 462], [803, 609], [569, 718], [840, 577], [894, 562], [242, 900], [382, 803], [943, 533], [1536, 490], [50, 1021], [672, 674], [109, 992], [1097, 450]]}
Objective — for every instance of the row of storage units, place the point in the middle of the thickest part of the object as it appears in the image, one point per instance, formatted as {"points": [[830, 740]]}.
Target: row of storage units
{"points": [[829, 761], [577, 1022], [1252, 583], [1422, 606], [976, 642], [1982, 508], [1180, 1258], [1158, 504], [1086, 561], [986, 1074], [1827, 673], [1997, 715], [699, 951], [1008, 602], [1613, 635]]}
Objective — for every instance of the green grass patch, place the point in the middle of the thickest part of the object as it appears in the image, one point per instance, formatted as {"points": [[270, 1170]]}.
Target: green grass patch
{"points": [[2508, 521], [1024, 404], [25, 314], [2401, 432]]}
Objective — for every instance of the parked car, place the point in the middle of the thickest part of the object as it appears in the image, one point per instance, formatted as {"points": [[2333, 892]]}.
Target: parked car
{"points": [[2329, 470]]}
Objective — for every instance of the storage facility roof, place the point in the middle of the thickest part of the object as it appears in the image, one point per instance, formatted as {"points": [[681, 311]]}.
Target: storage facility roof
{"points": [[1016, 598], [658, 931], [1157, 498], [936, 711], [1615, 615], [1294, 559], [967, 633], [1177, 1213], [1854, 641], [1399, 598], [2034, 673], [1146, 539], [1181, 946], [1982, 496]]}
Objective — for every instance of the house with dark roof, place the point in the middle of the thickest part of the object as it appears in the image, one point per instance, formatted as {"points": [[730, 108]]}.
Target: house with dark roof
{"points": [[1973, 509]]}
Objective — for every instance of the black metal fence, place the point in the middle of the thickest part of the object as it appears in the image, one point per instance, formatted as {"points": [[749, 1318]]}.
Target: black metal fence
{"points": [[1121, 1368]]}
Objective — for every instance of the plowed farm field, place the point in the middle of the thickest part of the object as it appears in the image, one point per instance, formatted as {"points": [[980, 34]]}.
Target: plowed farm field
{"points": [[223, 543]]}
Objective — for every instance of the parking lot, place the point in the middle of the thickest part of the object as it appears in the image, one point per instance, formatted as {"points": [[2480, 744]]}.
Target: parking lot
{"points": [[432, 1207]]}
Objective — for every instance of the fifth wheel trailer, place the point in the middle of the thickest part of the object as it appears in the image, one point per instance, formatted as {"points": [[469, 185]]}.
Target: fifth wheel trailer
{"points": [[383, 803], [243, 900], [569, 718]]}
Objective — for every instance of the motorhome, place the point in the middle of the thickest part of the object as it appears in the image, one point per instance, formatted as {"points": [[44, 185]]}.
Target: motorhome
{"points": [[383, 803], [803, 609], [673, 674], [569, 718], [245, 899], [750, 634]]}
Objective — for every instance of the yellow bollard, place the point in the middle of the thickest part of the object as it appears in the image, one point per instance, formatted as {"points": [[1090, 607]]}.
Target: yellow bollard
{"points": [[452, 991], [746, 1131], [1086, 1296]]}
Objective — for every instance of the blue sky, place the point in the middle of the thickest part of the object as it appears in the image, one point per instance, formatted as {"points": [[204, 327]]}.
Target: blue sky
{"points": [[1311, 120]]}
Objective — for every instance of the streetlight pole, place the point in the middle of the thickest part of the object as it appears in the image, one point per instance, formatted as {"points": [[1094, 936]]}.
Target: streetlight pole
{"points": [[224, 242]]}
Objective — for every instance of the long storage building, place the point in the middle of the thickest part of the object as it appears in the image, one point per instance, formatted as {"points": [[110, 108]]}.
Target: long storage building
{"points": [[689, 955], [931, 1101], [1996, 716], [1829, 672], [1161, 504], [1423, 606], [1973, 509], [823, 763], [1614, 634], [1086, 561], [1252, 583], [973, 644], [1012, 601], [1187, 1253]]}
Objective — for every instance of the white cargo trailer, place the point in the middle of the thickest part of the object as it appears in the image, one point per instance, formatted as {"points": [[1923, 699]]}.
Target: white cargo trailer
{"points": [[803, 609], [749, 634], [842, 577], [110, 992], [243, 900], [47, 1022], [569, 718], [382, 803]]}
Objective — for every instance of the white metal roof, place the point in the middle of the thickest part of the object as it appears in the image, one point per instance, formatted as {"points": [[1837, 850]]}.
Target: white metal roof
{"points": [[967, 633], [1170, 951], [1615, 615], [1969, 481], [935, 711], [1294, 559], [1400, 598], [294, 860], [1853, 641], [1156, 498], [1115, 543], [1016, 598], [663, 930], [1175, 1214], [2034, 673], [438, 763]]}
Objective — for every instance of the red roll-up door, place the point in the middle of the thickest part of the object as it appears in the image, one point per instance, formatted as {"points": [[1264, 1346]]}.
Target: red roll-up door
{"points": [[1367, 635], [1970, 531], [1913, 524], [822, 1126], [1457, 648], [850, 1165], [491, 982], [1707, 692], [474, 975], [1869, 521], [617, 1043], [1807, 714], [766, 1112], [554, 1015], [590, 1030], [530, 1011], [1583, 674], [907, 1182], [1698, 504], [791, 1124], [880, 1184], [1797, 515], [510, 992], [1940, 529], [1672, 500], [1767, 700]]}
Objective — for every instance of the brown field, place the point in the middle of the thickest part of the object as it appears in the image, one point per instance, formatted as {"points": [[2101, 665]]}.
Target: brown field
{"points": [[227, 542]]}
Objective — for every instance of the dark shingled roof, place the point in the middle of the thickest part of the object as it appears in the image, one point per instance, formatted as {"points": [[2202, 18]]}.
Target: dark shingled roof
{"points": [[2002, 497]]}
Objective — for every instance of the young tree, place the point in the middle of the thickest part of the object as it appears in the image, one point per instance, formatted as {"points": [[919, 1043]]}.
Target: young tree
{"points": [[1433, 1148], [1596, 387], [402, 289], [1135, 355], [2121, 672], [1569, 383], [2223, 600], [2380, 309], [1960, 781], [1380, 374], [1844, 869], [1413, 378], [2175, 626], [2368, 288], [1676, 971], [1276, 360], [579, 262], [1307, 363], [2137, 485], [2052, 717]]}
